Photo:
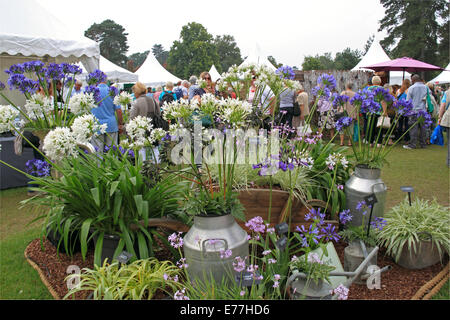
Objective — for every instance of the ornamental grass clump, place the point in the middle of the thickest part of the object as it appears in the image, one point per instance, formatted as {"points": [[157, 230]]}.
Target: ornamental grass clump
{"points": [[408, 224], [138, 280]]}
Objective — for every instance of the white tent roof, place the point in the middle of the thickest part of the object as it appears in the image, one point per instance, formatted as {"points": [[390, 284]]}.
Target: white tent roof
{"points": [[259, 58], [114, 72], [28, 29], [153, 73], [377, 54], [214, 73], [443, 77]]}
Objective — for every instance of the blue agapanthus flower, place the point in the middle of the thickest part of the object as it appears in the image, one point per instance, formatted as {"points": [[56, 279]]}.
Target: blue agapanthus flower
{"points": [[286, 72], [339, 100], [329, 233], [370, 106], [381, 94], [345, 216], [37, 168], [403, 107], [378, 223], [358, 99], [36, 67], [2, 86], [96, 77], [15, 69], [73, 69], [315, 215], [113, 91], [422, 116], [22, 83], [96, 92], [54, 72], [343, 123], [326, 80]]}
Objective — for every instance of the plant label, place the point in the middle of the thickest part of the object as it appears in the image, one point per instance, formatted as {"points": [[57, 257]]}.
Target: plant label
{"points": [[407, 189], [281, 228], [124, 257], [281, 243], [370, 199]]}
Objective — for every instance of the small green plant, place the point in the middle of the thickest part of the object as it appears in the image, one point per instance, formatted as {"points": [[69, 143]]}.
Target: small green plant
{"points": [[408, 224], [137, 281], [313, 266]]}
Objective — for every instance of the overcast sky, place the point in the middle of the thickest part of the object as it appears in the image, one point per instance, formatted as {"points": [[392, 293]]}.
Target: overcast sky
{"points": [[286, 29]]}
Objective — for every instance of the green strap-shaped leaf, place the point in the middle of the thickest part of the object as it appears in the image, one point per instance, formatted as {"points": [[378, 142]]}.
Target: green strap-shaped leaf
{"points": [[117, 207], [83, 236], [66, 232], [98, 250], [96, 195], [113, 187], [142, 243]]}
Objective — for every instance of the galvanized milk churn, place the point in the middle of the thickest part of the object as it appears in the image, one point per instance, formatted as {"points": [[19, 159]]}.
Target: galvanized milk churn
{"points": [[364, 182], [211, 245]]}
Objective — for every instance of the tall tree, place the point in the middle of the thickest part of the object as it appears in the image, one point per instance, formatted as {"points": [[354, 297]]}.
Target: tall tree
{"points": [[112, 39], [160, 53], [228, 51], [138, 59], [193, 53], [311, 63], [273, 61], [368, 44], [347, 59], [413, 28]]}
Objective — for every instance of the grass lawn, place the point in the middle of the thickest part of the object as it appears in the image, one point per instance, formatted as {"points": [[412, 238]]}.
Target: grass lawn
{"points": [[424, 169]]}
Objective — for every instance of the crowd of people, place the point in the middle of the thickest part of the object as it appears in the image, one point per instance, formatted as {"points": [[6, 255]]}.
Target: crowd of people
{"points": [[150, 101]]}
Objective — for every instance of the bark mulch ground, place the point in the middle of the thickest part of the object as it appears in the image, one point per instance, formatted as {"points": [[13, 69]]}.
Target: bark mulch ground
{"points": [[396, 284]]}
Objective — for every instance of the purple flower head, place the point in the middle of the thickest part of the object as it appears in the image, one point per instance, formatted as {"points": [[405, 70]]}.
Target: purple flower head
{"points": [[37, 168], [329, 233], [176, 240], [285, 72], [256, 225], [343, 123], [96, 92], [180, 295], [360, 205], [370, 106], [2, 86], [326, 81], [357, 99], [239, 264], [403, 107], [321, 91], [15, 69], [224, 254], [315, 215], [381, 94], [68, 68], [345, 216], [113, 91], [341, 291], [96, 77], [282, 165], [36, 67], [422, 117], [339, 100], [54, 72], [378, 223], [23, 84]]}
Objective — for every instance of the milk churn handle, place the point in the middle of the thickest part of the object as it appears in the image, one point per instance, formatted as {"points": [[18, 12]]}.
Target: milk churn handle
{"points": [[217, 239], [377, 184]]}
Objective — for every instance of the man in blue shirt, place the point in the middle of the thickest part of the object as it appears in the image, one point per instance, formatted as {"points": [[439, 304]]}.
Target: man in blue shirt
{"points": [[106, 113], [417, 94]]}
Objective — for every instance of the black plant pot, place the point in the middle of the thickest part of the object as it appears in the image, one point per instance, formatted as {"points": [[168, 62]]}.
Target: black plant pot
{"points": [[74, 241]]}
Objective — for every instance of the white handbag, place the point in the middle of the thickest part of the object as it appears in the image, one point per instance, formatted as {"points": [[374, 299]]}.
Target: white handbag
{"points": [[384, 122]]}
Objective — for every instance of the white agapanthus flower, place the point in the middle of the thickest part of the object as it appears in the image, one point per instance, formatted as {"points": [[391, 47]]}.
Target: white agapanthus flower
{"points": [[60, 143], [86, 126], [138, 130], [179, 109], [38, 106], [123, 99], [8, 115], [234, 112], [335, 159], [82, 103], [157, 134]]}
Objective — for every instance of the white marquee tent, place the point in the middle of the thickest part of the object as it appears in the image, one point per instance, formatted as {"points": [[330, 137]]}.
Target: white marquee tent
{"points": [[114, 72], [29, 32], [443, 77], [377, 54], [152, 73], [214, 73], [259, 58]]}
